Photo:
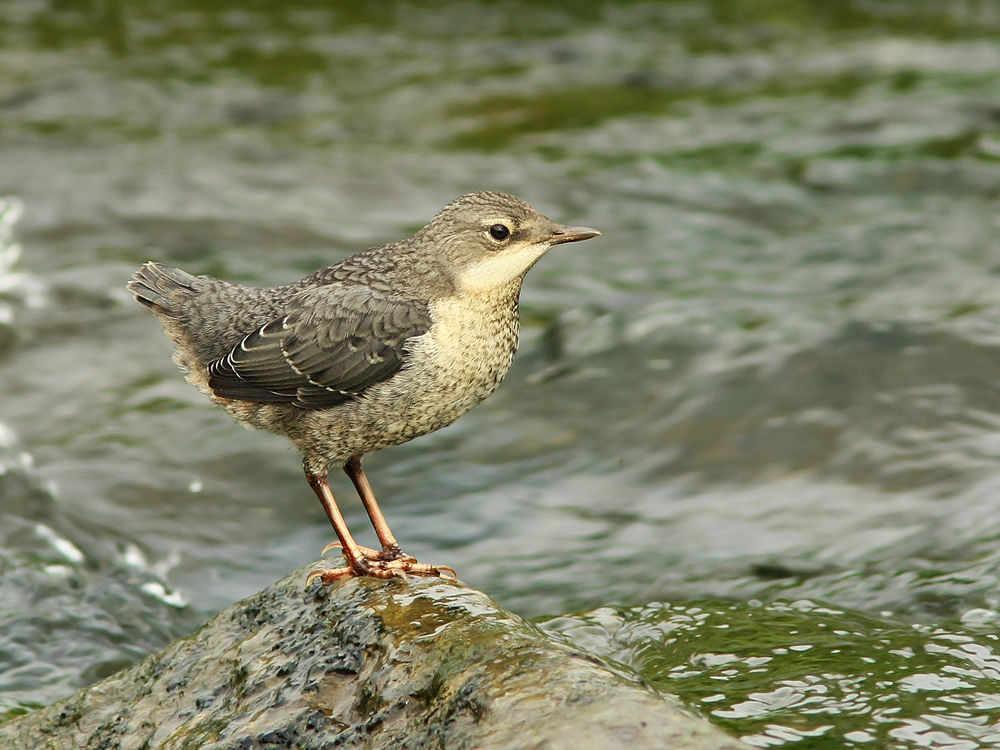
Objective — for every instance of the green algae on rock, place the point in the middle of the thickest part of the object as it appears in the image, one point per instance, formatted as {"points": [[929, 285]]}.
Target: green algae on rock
{"points": [[421, 663]]}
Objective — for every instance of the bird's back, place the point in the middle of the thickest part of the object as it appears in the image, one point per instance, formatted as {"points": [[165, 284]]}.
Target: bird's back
{"points": [[203, 316]]}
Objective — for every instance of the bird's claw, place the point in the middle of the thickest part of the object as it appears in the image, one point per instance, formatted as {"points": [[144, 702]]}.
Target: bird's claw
{"points": [[385, 569], [378, 564], [373, 555]]}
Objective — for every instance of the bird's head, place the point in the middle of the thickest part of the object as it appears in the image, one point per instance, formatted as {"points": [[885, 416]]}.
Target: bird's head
{"points": [[491, 240]]}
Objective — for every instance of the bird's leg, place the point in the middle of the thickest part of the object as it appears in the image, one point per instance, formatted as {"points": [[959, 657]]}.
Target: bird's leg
{"points": [[390, 547], [356, 562], [362, 561]]}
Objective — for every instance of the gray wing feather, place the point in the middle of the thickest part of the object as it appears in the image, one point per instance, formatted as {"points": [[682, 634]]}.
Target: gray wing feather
{"points": [[331, 345]]}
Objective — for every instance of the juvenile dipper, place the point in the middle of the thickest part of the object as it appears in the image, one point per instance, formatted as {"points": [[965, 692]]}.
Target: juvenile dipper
{"points": [[387, 345]]}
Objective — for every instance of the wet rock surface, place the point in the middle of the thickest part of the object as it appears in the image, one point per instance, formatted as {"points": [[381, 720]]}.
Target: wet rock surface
{"points": [[421, 663]]}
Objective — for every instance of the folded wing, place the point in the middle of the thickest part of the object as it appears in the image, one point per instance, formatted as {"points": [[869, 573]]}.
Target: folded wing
{"points": [[333, 343]]}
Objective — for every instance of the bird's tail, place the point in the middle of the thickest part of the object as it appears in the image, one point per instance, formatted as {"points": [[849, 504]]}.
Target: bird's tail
{"points": [[162, 288]]}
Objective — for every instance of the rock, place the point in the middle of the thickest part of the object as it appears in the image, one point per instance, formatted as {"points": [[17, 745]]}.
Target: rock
{"points": [[417, 663]]}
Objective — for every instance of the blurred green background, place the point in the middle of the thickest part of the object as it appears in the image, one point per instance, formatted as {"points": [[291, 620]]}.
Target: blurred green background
{"points": [[750, 445]]}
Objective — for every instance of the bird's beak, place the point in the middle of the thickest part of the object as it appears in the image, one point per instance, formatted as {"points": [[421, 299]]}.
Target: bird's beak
{"points": [[573, 234]]}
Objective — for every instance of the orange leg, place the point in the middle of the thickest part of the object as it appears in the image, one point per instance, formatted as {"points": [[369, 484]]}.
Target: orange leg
{"points": [[356, 562], [361, 561], [390, 547]]}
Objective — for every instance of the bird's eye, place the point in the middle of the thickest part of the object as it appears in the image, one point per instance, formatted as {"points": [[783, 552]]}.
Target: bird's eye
{"points": [[499, 232]]}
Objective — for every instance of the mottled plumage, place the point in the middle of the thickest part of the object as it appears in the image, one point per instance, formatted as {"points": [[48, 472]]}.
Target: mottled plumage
{"points": [[388, 345], [331, 344]]}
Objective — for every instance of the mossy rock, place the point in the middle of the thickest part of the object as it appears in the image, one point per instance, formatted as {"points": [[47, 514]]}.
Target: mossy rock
{"points": [[364, 663]]}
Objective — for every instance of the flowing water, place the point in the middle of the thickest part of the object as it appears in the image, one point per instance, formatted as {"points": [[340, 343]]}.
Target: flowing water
{"points": [[750, 447]]}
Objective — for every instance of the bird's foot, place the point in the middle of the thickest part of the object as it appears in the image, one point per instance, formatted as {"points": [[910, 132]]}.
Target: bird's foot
{"points": [[373, 555], [382, 569], [379, 564]]}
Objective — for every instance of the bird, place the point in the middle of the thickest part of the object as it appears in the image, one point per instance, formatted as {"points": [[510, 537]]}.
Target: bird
{"points": [[388, 345]]}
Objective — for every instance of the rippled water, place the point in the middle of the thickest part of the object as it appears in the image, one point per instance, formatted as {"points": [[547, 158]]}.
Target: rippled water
{"points": [[760, 410], [801, 674]]}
